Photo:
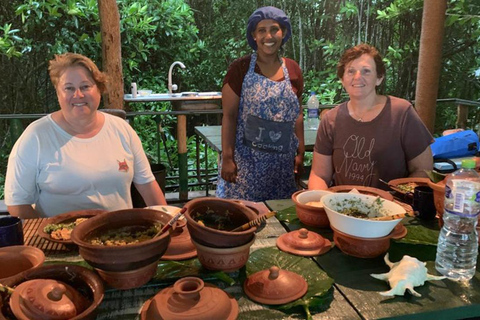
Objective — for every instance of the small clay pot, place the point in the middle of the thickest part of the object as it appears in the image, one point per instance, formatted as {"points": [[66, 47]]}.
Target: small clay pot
{"points": [[366, 247], [82, 288], [213, 208], [310, 215], [190, 298], [223, 259], [438, 198], [181, 246], [275, 286], [17, 259], [303, 243], [363, 190]]}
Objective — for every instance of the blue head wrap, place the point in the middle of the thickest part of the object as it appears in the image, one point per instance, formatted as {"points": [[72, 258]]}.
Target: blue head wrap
{"points": [[267, 13]]}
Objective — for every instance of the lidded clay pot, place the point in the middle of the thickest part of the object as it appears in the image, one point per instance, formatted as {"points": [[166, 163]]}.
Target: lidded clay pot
{"points": [[275, 286], [181, 246], [46, 299], [366, 247], [303, 243], [234, 213], [190, 298]]}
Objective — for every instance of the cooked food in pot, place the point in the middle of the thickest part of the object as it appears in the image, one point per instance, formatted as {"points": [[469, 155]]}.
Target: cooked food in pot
{"points": [[317, 204], [359, 209], [407, 187], [126, 235]]}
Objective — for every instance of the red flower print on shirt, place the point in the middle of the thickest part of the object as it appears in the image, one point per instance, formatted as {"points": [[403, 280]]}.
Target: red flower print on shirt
{"points": [[122, 166]]}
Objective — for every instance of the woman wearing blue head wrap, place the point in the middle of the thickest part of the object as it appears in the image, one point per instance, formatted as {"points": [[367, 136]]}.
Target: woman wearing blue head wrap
{"points": [[262, 126]]}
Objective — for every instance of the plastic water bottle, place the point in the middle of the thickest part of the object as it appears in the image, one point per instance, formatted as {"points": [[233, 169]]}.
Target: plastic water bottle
{"points": [[312, 115], [457, 247]]}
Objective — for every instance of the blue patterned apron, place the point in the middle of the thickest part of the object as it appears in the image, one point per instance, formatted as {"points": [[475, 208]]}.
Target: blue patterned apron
{"points": [[265, 142]]}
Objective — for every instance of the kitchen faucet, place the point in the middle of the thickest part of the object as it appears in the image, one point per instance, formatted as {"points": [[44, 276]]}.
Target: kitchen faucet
{"points": [[171, 86]]}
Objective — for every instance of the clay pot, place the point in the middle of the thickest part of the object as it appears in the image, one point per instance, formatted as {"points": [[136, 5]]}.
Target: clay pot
{"points": [[363, 190], [223, 259], [66, 217], [56, 292], [214, 209], [275, 286], [17, 259], [310, 215], [303, 243], [366, 247], [181, 246], [438, 198], [116, 260], [190, 298]]}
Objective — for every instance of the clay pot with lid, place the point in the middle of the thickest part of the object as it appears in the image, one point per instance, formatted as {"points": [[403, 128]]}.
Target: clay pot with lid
{"points": [[309, 214], [181, 246], [366, 247], [275, 286], [56, 292], [190, 298], [210, 219], [303, 243]]}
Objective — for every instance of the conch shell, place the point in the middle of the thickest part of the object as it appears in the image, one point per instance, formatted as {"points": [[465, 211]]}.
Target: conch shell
{"points": [[405, 275]]}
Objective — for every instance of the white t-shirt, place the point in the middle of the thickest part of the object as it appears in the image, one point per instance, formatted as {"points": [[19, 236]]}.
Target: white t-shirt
{"points": [[59, 173]]}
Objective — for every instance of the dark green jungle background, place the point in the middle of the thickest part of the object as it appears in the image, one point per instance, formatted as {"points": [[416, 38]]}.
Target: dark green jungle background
{"points": [[206, 35]]}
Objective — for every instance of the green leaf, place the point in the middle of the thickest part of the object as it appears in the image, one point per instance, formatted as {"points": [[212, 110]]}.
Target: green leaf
{"points": [[319, 283]]}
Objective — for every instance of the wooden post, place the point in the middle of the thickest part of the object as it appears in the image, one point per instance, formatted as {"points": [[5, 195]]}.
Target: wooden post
{"points": [[182, 157], [462, 116], [111, 53], [429, 60]]}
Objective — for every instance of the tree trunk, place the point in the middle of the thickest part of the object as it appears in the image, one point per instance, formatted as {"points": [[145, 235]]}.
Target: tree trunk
{"points": [[429, 60], [111, 53]]}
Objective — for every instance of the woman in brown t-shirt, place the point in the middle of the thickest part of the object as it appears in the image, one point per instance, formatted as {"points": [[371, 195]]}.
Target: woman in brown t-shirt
{"points": [[371, 136]]}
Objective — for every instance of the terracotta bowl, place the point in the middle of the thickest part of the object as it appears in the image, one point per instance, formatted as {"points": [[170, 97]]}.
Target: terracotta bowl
{"points": [[126, 258], [363, 190], [85, 282], [308, 214], [214, 209], [223, 259], [366, 247], [17, 259], [358, 227], [66, 217], [438, 198]]}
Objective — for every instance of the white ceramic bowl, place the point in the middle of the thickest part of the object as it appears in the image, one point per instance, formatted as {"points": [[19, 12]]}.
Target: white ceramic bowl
{"points": [[364, 228]]}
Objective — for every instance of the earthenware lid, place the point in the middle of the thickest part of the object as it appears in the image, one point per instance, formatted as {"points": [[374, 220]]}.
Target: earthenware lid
{"points": [[46, 299], [191, 298], [303, 243], [180, 246], [275, 286]]}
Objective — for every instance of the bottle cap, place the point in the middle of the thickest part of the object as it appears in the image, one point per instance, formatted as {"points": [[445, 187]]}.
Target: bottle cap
{"points": [[468, 163]]}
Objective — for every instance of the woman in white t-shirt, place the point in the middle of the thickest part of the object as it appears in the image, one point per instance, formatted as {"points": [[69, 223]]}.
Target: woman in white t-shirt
{"points": [[77, 157]]}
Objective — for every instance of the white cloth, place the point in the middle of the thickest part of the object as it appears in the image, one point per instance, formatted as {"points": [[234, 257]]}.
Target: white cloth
{"points": [[58, 172]]}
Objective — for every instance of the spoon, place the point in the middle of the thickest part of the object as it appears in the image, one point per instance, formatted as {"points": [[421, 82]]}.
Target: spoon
{"points": [[171, 222], [255, 222], [392, 217]]}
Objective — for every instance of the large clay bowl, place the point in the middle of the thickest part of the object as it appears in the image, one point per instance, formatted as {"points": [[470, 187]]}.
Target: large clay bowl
{"points": [[86, 282], [366, 228], [17, 259], [311, 215], [223, 259], [126, 257], [366, 247], [206, 208], [363, 190]]}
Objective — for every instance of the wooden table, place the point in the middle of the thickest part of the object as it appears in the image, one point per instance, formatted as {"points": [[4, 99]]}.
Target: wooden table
{"points": [[444, 299]]}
